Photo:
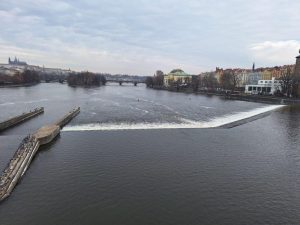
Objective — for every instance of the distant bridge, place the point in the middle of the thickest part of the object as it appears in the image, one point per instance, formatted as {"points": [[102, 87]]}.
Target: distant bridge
{"points": [[124, 80]]}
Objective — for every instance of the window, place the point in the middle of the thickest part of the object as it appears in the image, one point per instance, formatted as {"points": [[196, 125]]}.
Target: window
{"points": [[268, 89], [250, 88]]}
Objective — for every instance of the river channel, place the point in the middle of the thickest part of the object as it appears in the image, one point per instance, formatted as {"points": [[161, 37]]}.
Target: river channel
{"points": [[140, 156]]}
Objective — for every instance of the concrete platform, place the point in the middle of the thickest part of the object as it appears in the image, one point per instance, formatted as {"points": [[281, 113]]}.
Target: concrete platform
{"points": [[47, 133], [19, 119]]}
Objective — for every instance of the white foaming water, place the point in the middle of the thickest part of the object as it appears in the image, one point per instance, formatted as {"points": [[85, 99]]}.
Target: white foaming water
{"points": [[7, 103], [206, 107], [26, 102], [138, 109], [186, 123], [36, 101]]}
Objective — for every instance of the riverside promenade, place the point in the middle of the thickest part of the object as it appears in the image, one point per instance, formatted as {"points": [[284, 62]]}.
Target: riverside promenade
{"points": [[20, 118], [240, 97], [264, 99], [20, 161]]}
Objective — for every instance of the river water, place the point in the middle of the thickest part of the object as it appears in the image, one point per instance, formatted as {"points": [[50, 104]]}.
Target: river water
{"points": [[140, 156]]}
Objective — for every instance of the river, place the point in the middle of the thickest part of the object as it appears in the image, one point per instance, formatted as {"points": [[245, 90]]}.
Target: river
{"points": [[140, 156]]}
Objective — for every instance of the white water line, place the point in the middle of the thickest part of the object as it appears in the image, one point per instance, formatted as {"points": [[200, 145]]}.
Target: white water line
{"points": [[186, 124]]}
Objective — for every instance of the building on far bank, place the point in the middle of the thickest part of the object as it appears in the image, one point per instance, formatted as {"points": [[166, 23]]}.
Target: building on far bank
{"points": [[242, 77], [266, 74], [177, 76], [269, 87], [254, 77]]}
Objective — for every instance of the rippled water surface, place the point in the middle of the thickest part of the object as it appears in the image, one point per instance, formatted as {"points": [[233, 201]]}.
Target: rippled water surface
{"points": [[119, 161]]}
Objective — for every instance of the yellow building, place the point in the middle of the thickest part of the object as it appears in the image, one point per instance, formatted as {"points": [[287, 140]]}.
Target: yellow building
{"points": [[266, 75], [177, 76]]}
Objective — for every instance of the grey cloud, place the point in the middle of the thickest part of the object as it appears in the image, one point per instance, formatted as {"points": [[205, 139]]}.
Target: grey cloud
{"points": [[197, 34]]}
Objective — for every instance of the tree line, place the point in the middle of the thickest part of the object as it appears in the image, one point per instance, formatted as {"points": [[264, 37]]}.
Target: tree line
{"points": [[290, 83], [228, 82], [20, 77], [207, 81], [85, 79]]}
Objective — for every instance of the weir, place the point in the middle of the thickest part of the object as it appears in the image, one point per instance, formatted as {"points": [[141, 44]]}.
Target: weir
{"points": [[18, 165], [225, 121], [68, 117], [20, 118], [47, 133]]}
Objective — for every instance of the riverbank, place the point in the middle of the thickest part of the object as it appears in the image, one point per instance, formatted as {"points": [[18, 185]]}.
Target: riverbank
{"points": [[240, 97], [18, 85], [263, 99]]}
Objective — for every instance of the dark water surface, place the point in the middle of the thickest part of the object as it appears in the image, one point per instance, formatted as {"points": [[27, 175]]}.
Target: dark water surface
{"points": [[249, 174]]}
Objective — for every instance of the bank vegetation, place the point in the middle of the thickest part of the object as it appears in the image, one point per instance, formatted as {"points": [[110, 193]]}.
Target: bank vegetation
{"points": [[85, 79]]}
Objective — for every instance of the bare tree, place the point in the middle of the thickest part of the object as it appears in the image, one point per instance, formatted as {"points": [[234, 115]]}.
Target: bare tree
{"points": [[209, 81], [229, 80], [159, 78], [236, 80], [149, 82], [196, 80], [287, 78]]}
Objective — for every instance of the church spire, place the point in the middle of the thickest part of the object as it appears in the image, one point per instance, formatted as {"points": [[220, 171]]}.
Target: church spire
{"points": [[253, 67]]}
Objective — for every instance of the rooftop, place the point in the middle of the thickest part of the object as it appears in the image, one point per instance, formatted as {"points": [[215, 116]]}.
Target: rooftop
{"points": [[178, 72]]}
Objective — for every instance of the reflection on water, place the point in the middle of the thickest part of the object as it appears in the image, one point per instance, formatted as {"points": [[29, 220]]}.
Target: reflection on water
{"points": [[291, 121]]}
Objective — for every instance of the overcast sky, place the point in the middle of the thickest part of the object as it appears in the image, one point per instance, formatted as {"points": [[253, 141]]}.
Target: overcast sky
{"points": [[142, 36]]}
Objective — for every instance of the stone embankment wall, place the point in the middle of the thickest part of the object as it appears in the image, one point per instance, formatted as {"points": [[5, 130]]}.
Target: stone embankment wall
{"points": [[21, 118], [18, 165], [28, 148], [264, 99], [68, 117]]}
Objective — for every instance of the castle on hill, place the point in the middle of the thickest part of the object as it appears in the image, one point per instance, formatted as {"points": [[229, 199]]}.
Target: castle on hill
{"points": [[16, 62]]}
